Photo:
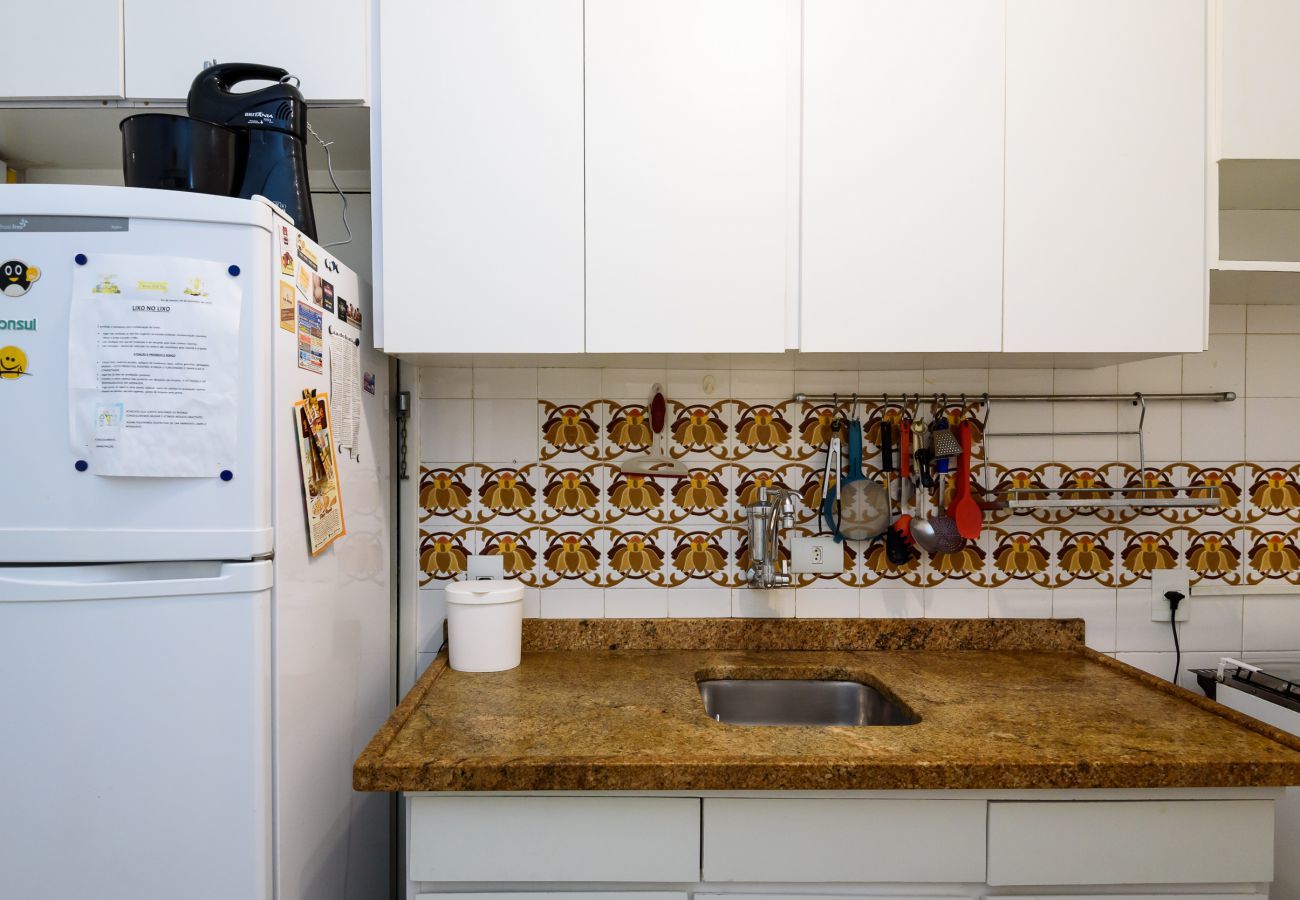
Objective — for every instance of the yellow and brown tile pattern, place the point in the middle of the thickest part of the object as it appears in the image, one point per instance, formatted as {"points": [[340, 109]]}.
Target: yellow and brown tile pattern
{"points": [[571, 518]]}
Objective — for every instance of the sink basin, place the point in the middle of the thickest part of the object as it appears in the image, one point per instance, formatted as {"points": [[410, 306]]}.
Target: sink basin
{"points": [[796, 701]]}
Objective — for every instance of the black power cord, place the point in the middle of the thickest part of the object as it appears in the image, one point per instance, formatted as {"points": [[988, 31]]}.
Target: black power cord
{"points": [[1174, 598]]}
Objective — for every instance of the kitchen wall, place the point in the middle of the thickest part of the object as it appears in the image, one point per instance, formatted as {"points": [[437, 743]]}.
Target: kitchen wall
{"points": [[522, 461]]}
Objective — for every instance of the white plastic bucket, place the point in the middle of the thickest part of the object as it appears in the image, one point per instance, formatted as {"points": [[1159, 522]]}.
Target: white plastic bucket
{"points": [[485, 622]]}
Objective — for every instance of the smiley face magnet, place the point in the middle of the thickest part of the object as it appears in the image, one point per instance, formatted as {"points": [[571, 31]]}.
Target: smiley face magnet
{"points": [[13, 363], [17, 278]]}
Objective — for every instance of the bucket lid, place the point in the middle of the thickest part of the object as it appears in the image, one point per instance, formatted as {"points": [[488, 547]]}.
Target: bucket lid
{"points": [[485, 592]]}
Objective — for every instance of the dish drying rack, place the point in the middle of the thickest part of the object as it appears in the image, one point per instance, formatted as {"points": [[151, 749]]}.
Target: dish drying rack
{"points": [[1140, 496]]}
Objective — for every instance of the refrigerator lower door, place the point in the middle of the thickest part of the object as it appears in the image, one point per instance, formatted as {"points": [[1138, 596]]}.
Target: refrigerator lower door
{"points": [[136, 758]]}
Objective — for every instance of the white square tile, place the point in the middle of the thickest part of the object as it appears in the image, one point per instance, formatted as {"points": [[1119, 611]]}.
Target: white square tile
{"points": [[1102, 380], [699, 603], [572, 603], [1097, 608], [1272, 622], [447, 431], [1273, 365], [1019, 381], [517, 383], [826, 382], [1162, 432], [1085, 416], [771, 385], [1213, 432], [904, 378], [1215, 622], [972, 381], [1158, 375], [1226, 318], [698, 384], [423, 661], [630, 384], [506, 431], [1020, 603], [1020, 417], [1272, 319], [568, 384], [636, 603], [430, 616], [1220, 368], [748, 603], [1272, 428], [443, 384], [891, 603], [532, 603], [1162, 665], [957, 603], [826, 603]]}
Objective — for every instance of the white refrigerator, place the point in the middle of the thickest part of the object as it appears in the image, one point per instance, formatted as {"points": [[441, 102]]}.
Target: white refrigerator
{"points": [[184, 685]]}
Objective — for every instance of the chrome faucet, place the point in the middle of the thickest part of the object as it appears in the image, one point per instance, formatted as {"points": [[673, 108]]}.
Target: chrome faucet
{"points": [[770, 515]]}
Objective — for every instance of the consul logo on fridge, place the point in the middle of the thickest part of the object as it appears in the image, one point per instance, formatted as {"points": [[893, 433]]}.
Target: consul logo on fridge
{"points": [[18, 324]]}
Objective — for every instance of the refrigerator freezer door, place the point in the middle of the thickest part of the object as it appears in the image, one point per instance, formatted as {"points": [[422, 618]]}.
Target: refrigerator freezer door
{"points": [[137, 717], [57, 511]]}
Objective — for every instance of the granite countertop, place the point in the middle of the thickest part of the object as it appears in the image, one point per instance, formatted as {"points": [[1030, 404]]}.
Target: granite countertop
{"points": [[613, 705]]}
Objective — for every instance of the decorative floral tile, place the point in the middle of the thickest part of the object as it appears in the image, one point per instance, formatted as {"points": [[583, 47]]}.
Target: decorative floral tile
{"points": [[572, 431]]}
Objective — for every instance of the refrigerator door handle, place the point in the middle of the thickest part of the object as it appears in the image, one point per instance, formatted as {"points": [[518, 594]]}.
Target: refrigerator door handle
{"points": [[44, 584]]}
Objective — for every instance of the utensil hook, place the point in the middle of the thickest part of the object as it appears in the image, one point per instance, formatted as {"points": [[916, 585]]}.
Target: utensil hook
{"points": [[1141, 402], [987, 409]]}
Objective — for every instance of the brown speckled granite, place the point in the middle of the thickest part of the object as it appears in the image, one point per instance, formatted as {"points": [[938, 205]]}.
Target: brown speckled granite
{"points": [[802, 634], [591, 719]]}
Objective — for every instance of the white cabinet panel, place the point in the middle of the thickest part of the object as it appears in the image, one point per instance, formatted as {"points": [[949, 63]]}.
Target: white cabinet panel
{"points": [[1137, 842], [323, 42], [1105, 176], [62, 48], [686, 123], [902, 175], [480, 133], [1260, 79], [844, 840], [496, 839]]}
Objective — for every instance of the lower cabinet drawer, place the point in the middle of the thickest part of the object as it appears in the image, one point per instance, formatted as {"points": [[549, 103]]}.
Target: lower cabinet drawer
{"points": [[1131, 842], [538, 839], [844, 840]]}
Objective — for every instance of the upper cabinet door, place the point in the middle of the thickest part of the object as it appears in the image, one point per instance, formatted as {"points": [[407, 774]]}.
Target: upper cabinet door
{"points": [[902, 175], [686, 138], [323, 42], [1106, 171], [480, 176], [1260, 78], [62, 48]]}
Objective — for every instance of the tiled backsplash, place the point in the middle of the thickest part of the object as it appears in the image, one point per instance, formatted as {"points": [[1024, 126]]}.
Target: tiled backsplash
{"points": [[524, 462]]}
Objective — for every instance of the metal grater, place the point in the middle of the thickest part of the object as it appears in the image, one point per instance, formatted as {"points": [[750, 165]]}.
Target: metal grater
{"points": [[944, 442]]}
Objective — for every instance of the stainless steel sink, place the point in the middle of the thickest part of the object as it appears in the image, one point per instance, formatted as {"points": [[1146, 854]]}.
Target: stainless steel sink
{"points": [[791, 701]]}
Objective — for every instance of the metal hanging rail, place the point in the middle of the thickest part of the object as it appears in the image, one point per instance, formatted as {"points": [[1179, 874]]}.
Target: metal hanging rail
{"points": [[1140, 496], [867, 396]]}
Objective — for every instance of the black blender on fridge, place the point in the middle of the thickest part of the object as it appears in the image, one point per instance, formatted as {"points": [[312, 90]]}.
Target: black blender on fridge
{"points": [[235, 144]]}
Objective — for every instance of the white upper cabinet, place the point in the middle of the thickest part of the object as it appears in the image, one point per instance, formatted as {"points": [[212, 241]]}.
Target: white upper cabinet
{"points": [[323, 42], [902, 175], [480, 176], [58, 49], [687, 124], [1105, 176], [1259, 71]]}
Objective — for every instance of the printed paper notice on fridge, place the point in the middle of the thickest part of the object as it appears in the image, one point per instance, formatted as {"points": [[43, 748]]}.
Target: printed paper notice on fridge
{"points": [[152, 365]]}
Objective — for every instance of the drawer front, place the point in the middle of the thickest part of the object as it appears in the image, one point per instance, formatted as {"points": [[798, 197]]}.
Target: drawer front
{"points": [[1131, 842], [614, 839], [844, 840]]}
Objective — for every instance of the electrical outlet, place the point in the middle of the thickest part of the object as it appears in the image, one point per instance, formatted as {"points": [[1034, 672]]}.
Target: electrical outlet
{"points": [[1163, 580], [482, 567], [820, 555]]}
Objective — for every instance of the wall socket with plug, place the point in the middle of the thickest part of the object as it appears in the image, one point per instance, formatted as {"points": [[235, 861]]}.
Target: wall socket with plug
{"points": [[1164, 580], [820, 555]]}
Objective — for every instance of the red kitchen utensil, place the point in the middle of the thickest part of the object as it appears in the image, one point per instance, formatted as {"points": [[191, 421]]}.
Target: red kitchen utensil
{"points": [[963, 509]]}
